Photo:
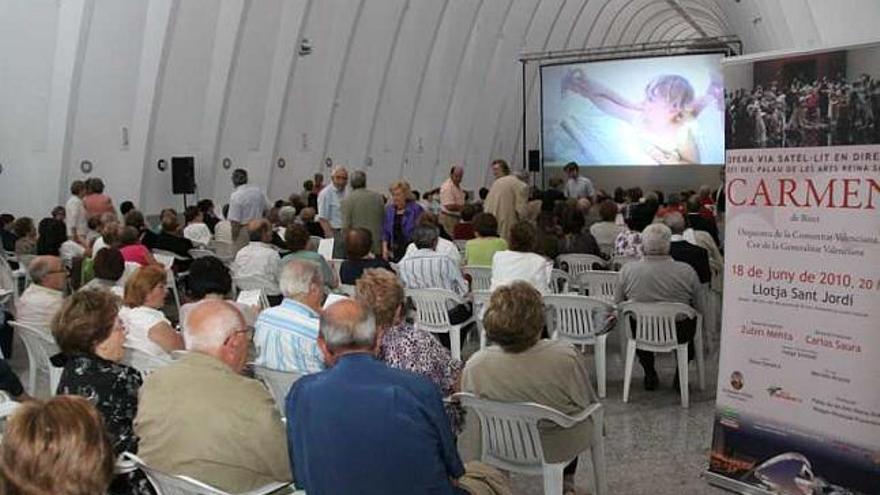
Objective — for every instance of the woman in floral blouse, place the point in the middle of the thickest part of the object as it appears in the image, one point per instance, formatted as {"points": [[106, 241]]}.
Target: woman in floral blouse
{"points": [[90, 335], [403, 346]]}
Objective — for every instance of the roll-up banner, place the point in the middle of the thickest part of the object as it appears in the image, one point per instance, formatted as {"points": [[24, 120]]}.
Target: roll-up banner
{"points": [[798, 399]]}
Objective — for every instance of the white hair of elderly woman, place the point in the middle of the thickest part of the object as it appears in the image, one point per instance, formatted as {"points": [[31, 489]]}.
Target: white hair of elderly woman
{"points": [[297, 278], [655, 239], [348, 328]]}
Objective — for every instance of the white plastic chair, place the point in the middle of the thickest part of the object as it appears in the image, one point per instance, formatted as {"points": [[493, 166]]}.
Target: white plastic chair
{"points": [[511, 440], [460, 244], [560, 281], [170, 484], [599, 284], [577, 263], [578, 319], [143, 361], [481, 277], [278, 382], [655, 332], [432, 315], [40, 346], [197, 253], [347, 289], [481, 300]]}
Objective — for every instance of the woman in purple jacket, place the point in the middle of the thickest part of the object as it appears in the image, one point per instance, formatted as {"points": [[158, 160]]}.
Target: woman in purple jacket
{"points": [[401, 216]]}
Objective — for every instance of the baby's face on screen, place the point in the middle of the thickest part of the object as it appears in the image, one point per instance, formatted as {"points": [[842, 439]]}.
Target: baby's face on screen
{"points": [[658, 110]]}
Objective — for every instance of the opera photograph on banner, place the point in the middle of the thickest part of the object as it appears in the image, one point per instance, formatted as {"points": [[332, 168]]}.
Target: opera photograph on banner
{"points": [[798, 397]]}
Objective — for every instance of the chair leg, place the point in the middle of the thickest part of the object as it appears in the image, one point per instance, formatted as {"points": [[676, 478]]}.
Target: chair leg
{"points": [[553, 478], [628, 367], [455, 342], [597, 454], [701, 365], [600, 364], [682, 355], [621, 334]]}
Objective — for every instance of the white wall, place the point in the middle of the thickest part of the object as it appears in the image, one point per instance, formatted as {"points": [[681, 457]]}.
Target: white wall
{"points": [[409, 86]]}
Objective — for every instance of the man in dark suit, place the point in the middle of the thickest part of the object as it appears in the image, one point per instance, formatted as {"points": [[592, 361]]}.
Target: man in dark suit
{"points": [[684, 251]]}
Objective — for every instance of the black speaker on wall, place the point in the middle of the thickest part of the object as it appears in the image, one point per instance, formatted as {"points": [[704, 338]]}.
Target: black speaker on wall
{"points": [[534, 160], [183, 176]]}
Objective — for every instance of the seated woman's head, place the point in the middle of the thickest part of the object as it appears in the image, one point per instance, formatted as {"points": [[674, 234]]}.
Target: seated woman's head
{"points": [[468, 213], [523, 237], [135, 218], [193, 214], [60, 446], [146, 287], [208, 275], [23, 227], [656, 239], [381, 290], [88, 323], [514, 317], [296, 237], [52, 234], [572, 221], [169, 222], [109, 264], [129, 236], [358, 243], [608, 210], [485, 225]]}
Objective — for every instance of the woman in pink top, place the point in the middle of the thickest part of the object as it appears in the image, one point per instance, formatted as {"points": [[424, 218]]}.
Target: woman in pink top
{"points": [[131, 248], [96, 202]]}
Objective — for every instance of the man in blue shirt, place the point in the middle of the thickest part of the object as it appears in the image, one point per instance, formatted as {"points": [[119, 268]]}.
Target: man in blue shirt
{"points": [[363, 427]]}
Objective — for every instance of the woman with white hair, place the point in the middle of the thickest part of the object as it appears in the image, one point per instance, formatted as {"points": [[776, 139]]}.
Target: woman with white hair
{"points": [[658, 278]]}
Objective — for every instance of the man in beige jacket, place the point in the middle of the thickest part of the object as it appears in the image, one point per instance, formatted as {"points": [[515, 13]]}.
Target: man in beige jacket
{"points": [[508, 198], [200, 418]]}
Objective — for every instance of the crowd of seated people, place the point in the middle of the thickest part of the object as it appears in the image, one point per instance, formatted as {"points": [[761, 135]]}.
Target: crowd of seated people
{"points": [[360, 351]]}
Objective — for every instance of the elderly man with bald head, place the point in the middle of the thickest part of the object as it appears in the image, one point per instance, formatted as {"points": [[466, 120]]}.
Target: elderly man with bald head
{"points": [[43, 298], [385, 428], [256, 265], [201, 418]]}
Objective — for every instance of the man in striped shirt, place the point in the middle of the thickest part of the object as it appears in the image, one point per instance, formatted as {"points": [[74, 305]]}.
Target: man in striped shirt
{"points": [[286, 335], [427, 269]]}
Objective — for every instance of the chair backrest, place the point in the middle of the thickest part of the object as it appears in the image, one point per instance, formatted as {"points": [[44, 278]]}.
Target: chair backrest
{"points": [[347, 289], [599, 284], [481, 277], [617, 262], [197, 253], [655, 322], [431, 308], [169, 484], [40, 346], [559, 281], [578, 263], [509, 430], [143, 361], [164, 257], [574, 317], [460, 244], [278, 383]]}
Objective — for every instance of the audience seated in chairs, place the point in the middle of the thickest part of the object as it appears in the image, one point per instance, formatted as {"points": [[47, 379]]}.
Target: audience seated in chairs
{"points": [[108, 267], [196, 230], [8, 237], [605, 232], [256, 265], [404, 347], [464, 229], [131, 248], [90, 336], [25, 236], [148, 328], [444, 246], [479, 251], [684, 251], [358, 243], [428, 269], [201, 418], [525, 368], [575, 239], [110, 231], [697, 219], [209, 280], [387, 427], [520, 262], [286, 335], [57, 447], [44, 296], [659, 278], [297, 241], [171, 240]]}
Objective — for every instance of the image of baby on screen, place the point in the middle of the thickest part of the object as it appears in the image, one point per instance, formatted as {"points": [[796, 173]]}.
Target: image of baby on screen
{"points": [[657, 121]]}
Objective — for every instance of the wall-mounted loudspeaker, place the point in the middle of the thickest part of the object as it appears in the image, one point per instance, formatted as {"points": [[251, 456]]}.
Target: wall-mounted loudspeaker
{"points": [[183, 177], [534, 161]]}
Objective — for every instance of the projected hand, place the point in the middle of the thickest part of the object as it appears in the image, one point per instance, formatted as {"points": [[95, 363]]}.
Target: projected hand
{"points": [[574, 80], [663, 157]]}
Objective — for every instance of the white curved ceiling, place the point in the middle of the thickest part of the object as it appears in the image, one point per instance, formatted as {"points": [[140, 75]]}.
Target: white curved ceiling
{"points": [[401, 88]]}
